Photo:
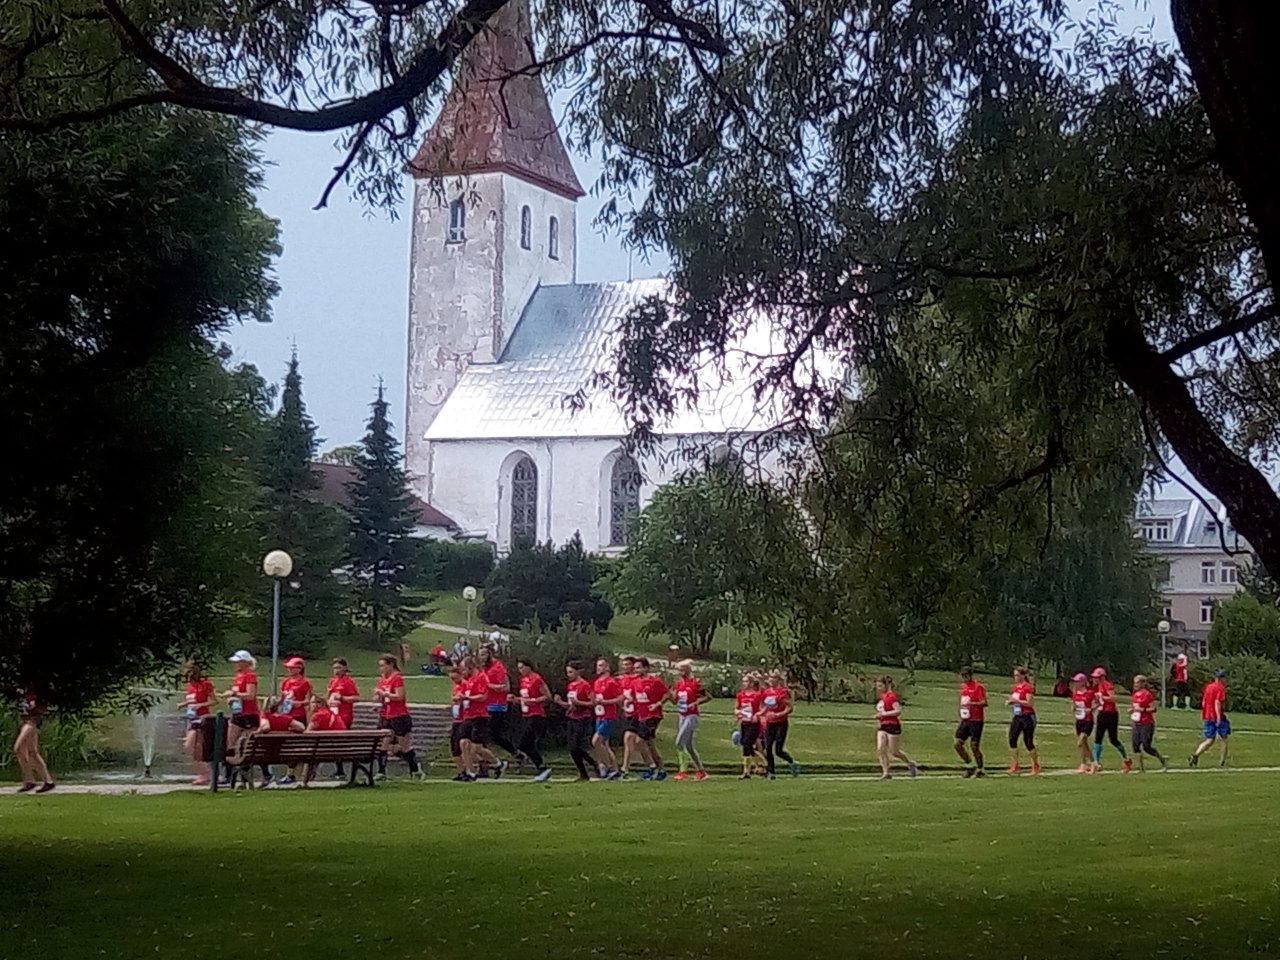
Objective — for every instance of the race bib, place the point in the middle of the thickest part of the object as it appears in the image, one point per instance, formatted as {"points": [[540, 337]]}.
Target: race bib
{"points": [[191, 713], [879, 706], [770, 702], [287, 706], [1135, 716], [1017, 709], [964, 713], [524, 708], [457, 711], [964, 701], [746, 711], [466, 703], [236, 706], [1081, 713], [642, 698], [599, 709]]}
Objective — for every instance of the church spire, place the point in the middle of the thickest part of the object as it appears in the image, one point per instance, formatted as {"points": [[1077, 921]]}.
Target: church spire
{"points": [[496, 119]]}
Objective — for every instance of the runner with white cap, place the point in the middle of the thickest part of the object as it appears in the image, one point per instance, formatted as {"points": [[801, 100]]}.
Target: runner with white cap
{"points": [[242, 700]]}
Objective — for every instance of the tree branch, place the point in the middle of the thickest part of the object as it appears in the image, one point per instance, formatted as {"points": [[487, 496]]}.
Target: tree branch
{"points": [[1241, 324]]}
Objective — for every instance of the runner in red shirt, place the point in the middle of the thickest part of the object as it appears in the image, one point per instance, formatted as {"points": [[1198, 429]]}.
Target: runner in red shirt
{"points": [[275, 720], [242, 699], [474, 733], [394, 717], [688, 696], [650, 692], [748, 710], [533, 699], [1107, 723], [1181, 698], [455, 732], [1083, 698], [630, 724], [889, 736], [342, 686], [295, 689], [1023, 703], [973, 713], [1142, 712], [1213, 711], [578, 705], [199, 697], [607, 694], [776, 722], [26, 747], [499, 697]]}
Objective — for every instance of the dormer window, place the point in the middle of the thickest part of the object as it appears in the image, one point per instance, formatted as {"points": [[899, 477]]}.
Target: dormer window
{"points": [[1211, 527], [457, 221], [553, 239], [1157, 531], [526, 228]]}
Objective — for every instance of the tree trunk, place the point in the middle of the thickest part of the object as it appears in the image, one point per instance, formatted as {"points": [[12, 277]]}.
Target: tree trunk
{"points": [[1230, 46]]}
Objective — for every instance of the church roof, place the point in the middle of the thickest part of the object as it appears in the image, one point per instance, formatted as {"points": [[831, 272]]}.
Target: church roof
{"points": [[567, 334], [495, 118]]}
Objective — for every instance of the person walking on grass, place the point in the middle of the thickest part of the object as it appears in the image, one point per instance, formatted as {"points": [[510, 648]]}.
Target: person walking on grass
{"points": [[199, 697], [394, 716], [689, 695], [749, 707], [26, 747], [606, 701], [775, 724], [1142, 711], [650, 693], [242, 700], [533, 699], [1022, 701], [1107, 723], [578, 704], [973, 713], [1082, 703], [1213, 711], [889, 736]]}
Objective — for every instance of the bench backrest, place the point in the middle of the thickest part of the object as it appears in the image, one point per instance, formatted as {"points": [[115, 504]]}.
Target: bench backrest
{"points": [[312, 747]]}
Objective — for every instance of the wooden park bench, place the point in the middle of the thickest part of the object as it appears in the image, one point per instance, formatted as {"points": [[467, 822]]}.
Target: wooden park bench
{"points": [[360, 748]]}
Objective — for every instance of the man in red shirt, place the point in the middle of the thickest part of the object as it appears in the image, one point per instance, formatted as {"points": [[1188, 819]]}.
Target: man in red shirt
{"points": [[607, 698], [1213, 711], [344, 692], [1181, 690], [973, 713], [650, 692], [1107, 723], [394, 716], [578, 707], [1142, 711], [496, 707]]}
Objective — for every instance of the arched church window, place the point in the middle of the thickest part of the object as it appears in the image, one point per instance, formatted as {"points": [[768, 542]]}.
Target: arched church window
{"points": [[524, 500], [526, 227], [624, 499], [553, 239], [457, 221]]}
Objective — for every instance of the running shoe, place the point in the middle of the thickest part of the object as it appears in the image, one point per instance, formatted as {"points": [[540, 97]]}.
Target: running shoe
{"points": [[647, 775], [969, 772], [1014, 769], [499, 769], [201, 781], [700, 775], [614, 775], [267, 781], [1193, 761], [886, 776], [460, 778], [979, 773], [26, 788], [521, 760], [745, 776], [472, 778], [914, 769], [682, 775], [543, 775], [1128, 765], [660, 775], [288, 781], [1164, 764], [45, 788], [795, 769], [1035, 769], [418, 775], [379, 777]]}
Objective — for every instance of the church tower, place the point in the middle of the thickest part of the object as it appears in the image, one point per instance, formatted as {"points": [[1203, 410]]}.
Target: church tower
{"points": [[494, 216]]}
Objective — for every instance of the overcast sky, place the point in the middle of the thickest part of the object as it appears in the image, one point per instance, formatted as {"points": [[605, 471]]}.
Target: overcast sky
{"points": [[344, 278]]}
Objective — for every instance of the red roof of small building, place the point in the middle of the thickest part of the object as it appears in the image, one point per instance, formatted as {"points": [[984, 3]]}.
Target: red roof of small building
{"points": [[495, 118], [334, 478]]}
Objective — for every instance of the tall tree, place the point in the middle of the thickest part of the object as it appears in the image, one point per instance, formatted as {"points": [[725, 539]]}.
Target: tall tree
{"points": [[379, 551], [127, 502], [311, 532]]}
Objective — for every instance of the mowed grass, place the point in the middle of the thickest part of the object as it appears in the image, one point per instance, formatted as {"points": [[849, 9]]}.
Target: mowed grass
{"points": [[1185, 865]]}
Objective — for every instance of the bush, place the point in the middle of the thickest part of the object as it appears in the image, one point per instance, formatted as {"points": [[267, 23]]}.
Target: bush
{"points": [[63, 741], [1243, 625], [443, 565], [1253, 683], [551, 650], [545, 585]]}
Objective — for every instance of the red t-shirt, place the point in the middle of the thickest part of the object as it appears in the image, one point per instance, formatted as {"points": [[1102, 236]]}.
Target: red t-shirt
{"points": [[888, 700], [200, 692], [388, 685], [1022, 693], [496, 672], [1138, 714], [629, 682], [1214, 691], [649, 693], [970, 693], [475, 696], [326, 720], [532, 685], [1179, 672], [1106, 688], [748, 705], [606, 688], [240, 685], [687, 694], [279, 722], [1082, 702], [579, 692], [344, 686], [775, 701], [296, 691]]}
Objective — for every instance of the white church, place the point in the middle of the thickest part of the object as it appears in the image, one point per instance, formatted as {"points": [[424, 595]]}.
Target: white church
{"points": [[501, 332]]}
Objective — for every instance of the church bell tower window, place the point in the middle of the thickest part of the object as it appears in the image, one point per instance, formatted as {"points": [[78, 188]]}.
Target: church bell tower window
{"points": [[457, 221]]}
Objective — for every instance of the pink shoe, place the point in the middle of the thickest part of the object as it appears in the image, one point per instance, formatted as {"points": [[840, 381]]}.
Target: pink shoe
{"points": [[201, 781], [700, 775], [681, 776]]}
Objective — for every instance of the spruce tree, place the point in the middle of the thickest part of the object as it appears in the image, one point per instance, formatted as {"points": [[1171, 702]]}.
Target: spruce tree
{"points": [[382, 519], [310, 531]]}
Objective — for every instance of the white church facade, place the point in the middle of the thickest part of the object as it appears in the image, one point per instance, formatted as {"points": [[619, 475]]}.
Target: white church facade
{"points": [[501, 333]]}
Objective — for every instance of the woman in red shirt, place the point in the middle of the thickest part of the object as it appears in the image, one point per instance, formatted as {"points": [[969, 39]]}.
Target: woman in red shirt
{"points": [[199, 696], [1022, 700], [1142, 712], [889, 736], [578, 702], [26, 748], [689, 695], [394, 716], [776, 722], [747, 711], [533, 699], [1082, 701]]}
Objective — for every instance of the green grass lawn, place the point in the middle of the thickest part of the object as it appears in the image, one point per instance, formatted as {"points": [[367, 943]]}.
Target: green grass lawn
{"points": [[1174, 866]]}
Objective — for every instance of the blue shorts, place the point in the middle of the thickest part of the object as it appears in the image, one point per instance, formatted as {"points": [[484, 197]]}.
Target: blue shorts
{"points": [[1215, 728], [604, 728]]}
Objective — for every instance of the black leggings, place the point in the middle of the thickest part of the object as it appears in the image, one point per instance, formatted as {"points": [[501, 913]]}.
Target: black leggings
{"points": [[532, 733], [498, 731], [580, 732], [1024, 726], [1108, 725], [749, 734], [775, 743]]}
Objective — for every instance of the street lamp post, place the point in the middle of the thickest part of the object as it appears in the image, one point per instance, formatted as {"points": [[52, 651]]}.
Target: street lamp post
{"points": [[277, 565], [469, 595], [1163, 629], [728, 639]]}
